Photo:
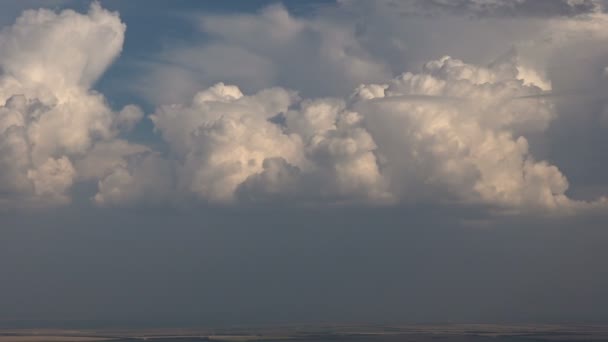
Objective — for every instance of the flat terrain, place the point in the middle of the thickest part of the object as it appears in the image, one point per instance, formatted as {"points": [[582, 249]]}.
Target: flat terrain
{"points": [[396, 333]]}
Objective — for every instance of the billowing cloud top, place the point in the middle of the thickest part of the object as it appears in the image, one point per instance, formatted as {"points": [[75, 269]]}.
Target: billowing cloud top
{"points": [[50, 121], [445, 132]]}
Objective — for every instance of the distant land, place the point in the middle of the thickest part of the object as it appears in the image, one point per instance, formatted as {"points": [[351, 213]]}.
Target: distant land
{"points": [[344, 333]]}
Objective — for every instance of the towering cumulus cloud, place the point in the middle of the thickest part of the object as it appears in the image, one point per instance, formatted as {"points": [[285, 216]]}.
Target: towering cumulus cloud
{"points": [[51, 122], [453, 132], [457, 131], [270, 144], [448, 131]]}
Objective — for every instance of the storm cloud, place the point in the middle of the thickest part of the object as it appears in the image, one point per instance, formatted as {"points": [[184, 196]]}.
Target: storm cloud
{"points": [[449, 131], [421, 160]]}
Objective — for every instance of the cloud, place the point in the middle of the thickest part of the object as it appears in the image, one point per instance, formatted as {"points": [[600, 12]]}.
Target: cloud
{"points": [[255, 51], [49, 116], [140, 179], [496, 8], [520, 93], [448, 132], [338, 47], [451, 133], [223, 137], [473, 150], [10, 10], [395, 150], [570, 54]]}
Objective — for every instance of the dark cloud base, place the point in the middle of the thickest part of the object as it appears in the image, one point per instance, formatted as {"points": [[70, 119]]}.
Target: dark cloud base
{"points": [[215, 268]]}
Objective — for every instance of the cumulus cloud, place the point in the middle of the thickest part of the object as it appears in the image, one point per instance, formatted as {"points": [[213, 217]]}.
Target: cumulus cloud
{"points": [[139, 179], [49, 116], [11, 10], [222, 137], [519, 95], [229, 146], [454, 132], [448, 131], [470, 148]]}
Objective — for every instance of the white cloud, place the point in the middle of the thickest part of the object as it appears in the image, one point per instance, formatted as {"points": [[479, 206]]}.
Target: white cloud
{"points": [[449, 131], [454, 132], [128, 117], [53, 178], [223, 137], [49, 116]]}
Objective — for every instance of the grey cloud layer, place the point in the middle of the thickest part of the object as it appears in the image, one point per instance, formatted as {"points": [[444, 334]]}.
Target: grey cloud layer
{"points": [[539, 8], [447, 131]]}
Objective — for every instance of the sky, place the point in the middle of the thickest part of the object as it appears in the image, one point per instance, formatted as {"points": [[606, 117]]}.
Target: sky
{"points": [[180, 163]]}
